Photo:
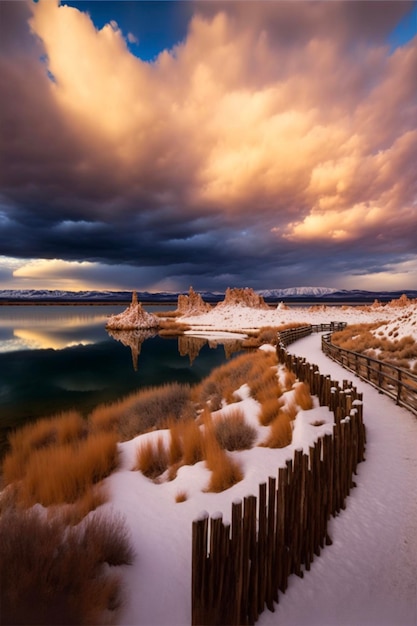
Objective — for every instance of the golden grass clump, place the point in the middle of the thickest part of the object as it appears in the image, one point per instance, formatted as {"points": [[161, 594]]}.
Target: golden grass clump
{"points": [[192, 443], [226, 379], [280, 434], [61, 474], [152, 458], [289, 380], [52, 574], [302, 396], [43, 433], [225, 472], [270, 408], [233, 433], [181, 496], [360, 338], [266, 387]]}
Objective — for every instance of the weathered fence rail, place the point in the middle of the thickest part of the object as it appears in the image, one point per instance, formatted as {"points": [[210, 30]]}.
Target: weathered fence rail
{"points": [[397, 383], [238, 568]]}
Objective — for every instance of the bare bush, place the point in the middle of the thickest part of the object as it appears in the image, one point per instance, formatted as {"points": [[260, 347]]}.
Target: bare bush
{"points": [[53, 575], [233, 433], [152, 408]]}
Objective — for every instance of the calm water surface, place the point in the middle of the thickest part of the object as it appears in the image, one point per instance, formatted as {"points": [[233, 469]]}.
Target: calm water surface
{"points": [[54, 358]]}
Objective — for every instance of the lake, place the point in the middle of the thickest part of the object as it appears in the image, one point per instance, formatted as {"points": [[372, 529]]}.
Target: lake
{"points": [[55, 358]]}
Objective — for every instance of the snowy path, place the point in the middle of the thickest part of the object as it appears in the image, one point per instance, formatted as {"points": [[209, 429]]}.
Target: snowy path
{"points": [[369, 575]]}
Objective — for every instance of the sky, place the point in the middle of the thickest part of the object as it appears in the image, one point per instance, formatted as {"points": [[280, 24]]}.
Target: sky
{"points": [[158, 145]]}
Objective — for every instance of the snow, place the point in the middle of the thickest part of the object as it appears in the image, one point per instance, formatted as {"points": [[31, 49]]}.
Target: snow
{"points": [[366, 578]]}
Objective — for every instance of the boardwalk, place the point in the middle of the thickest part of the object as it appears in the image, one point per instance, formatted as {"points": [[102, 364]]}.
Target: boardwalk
{"points": [[369, 575]]}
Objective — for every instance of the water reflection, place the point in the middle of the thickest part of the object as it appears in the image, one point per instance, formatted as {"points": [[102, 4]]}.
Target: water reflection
{"points": [[132, 339], [189, 345], [50, 327], [53, 359]]}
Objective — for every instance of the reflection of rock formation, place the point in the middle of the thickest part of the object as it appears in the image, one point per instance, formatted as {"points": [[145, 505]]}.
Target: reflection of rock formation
{"points": [[230, 346], [133, 317], [132, 339], [190, 346], [193, 304], [243, 297]]}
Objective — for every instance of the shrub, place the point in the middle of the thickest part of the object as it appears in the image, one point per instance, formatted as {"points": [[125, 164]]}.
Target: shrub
{"points": [[94, 496], [152, 458], [150, 409], [53, 575], [233, 433]]}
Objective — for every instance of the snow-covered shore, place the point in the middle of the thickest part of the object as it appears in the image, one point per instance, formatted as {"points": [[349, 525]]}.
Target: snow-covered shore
{"points": [[366, 578]]}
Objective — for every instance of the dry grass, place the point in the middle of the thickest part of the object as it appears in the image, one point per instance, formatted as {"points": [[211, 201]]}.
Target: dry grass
{"points": [[225, 472], [233, 433], [192, 443], [269, 410], [72, 514], [226, 379], [181, 496], [302, 396], [61, 474], [44, 433], [289, 380], [175, 452], [360, 338], [145, 410], [152, 458], [266, 387], [171, 328], [52, 574], [280, 434]]}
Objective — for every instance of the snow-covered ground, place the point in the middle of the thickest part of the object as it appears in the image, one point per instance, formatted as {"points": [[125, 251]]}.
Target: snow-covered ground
{"points": [[367, 577]]}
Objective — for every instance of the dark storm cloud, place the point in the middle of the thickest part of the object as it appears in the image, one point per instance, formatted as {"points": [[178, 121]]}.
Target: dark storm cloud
{"points": [[277, 138]]}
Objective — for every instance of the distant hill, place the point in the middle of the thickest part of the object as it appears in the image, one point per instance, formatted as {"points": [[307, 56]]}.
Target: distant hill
{"points": [[293, 294]]}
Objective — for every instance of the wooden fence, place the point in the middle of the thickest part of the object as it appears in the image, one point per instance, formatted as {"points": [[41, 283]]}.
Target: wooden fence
{"points": [[238, 568], [397, 383]]}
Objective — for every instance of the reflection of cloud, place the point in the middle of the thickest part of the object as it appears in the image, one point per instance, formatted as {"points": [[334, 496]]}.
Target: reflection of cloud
{"points": [[270, 119], [34, 339], [132, 339]]}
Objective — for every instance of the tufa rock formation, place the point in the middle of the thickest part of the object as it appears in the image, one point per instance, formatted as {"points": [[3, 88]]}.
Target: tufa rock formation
{"points": [[193, 304], [133, 317], [243, 297]]}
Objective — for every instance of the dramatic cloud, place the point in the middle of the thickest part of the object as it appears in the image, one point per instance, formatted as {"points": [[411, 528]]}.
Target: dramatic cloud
{"points": [[276, 145]]}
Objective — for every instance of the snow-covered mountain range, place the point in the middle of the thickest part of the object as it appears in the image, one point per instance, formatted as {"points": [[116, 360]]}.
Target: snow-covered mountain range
{"points": [[295, 294]]}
